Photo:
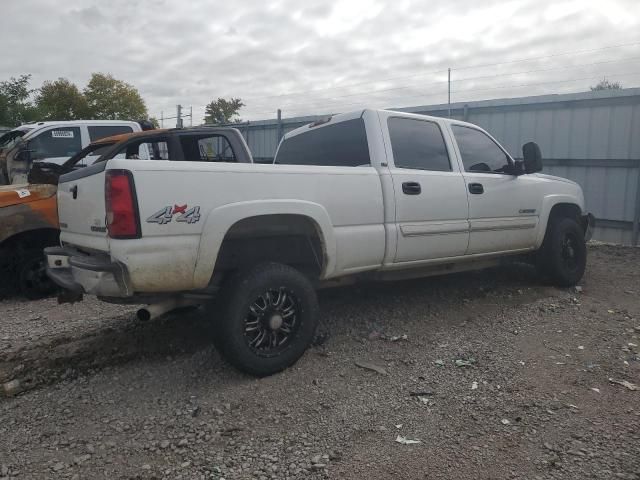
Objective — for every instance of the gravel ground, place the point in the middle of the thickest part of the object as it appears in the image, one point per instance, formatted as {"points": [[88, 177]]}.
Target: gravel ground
{"points": [[497, 377]]}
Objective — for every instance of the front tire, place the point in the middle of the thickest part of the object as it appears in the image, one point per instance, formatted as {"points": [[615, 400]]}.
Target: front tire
{"points": [[563, 256], [270, 315]]}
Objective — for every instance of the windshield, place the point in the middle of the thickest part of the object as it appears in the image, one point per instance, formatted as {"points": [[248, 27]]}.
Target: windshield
{"points": [[89, 155]]}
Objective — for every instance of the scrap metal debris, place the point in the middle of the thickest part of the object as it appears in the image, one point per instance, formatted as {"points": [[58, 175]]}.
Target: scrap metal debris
{"points": [[406, 441], [371, 366], [626, 384]]}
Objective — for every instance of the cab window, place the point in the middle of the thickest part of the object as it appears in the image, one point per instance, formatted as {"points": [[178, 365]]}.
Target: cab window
{"points": [[96, 132], [418, 144], [343, 144], [145, 149], [207, 148], [479, 152]]}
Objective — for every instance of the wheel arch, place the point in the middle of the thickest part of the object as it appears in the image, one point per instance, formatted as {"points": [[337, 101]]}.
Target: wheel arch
{"points": [[35, 237], [554, 207], [231, 220]]}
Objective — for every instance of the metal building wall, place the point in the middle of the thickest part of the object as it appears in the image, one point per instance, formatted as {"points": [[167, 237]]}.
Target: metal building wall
{"points": [[592, 138]]}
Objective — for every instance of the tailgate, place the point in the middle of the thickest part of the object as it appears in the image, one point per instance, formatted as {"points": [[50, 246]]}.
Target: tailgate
{"points": [[81, 208]]}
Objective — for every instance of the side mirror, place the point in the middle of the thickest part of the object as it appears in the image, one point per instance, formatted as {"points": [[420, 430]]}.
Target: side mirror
{"points": [[532, 157]]}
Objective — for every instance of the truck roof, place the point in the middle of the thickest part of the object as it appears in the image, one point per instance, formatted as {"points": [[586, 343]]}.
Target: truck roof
{"points": [[341, 117], [35, 127], [75, 122]]}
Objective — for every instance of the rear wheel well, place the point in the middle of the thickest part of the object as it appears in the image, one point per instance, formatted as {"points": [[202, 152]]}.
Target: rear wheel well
{"points": [[18, 251], [290, 239], [31, 239]]}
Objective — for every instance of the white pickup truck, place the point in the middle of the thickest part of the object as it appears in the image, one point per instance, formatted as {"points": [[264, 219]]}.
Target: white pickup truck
{"points": [[371, 194]]}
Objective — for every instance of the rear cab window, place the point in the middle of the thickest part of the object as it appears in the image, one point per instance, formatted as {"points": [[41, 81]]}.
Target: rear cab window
{"points": [[342, 144], [207, 148]]}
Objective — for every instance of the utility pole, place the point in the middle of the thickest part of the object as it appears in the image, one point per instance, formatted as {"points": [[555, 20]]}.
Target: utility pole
{"points": [[178, 116], [449, 92], [279, 126], [161, 119], [191, 116]]}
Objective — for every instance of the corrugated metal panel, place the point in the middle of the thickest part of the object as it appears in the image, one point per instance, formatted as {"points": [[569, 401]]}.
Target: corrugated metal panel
{"points": [[576, 128]]}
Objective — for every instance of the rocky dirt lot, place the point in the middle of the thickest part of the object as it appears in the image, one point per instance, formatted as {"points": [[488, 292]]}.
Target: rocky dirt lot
{"points": [[495, 375]]}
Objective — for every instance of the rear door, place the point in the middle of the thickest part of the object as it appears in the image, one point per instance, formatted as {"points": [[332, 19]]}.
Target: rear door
{"points": [[431, 204]]}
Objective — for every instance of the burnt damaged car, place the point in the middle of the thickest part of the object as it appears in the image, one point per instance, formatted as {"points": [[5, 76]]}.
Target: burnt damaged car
{"points": [[29, 223]]}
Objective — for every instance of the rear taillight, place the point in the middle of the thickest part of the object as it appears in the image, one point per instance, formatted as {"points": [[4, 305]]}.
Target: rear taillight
{"points": [[123, 220]]}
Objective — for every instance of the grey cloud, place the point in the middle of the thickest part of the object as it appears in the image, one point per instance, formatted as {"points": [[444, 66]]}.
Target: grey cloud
{"points": [[190, 52]]}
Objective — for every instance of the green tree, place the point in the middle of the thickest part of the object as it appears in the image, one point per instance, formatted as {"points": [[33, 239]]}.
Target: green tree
{"points": [[223, 111], [605, 84], [16, 106], [61, 100], [112, 99]]}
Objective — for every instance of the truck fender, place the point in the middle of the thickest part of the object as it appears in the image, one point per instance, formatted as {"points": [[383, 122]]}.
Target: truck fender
{"points": [[221, 219], [548, 203]]}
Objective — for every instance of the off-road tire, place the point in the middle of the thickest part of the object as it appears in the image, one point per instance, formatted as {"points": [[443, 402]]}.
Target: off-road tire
{"points": [[247, 290], [562, 259], [33, 282]]}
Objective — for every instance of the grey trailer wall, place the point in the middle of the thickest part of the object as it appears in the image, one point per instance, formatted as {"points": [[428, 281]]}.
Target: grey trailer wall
{"points": [[592, 138]]}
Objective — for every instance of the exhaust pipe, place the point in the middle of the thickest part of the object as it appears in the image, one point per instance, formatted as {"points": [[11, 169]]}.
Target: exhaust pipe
{"points": [[157, 309]]}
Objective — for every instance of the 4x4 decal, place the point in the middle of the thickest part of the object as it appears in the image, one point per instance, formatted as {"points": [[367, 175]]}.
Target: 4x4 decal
{"points": [[186, 215]]}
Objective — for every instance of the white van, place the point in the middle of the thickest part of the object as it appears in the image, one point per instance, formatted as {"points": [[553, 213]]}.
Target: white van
{"points": [[56, 142]]}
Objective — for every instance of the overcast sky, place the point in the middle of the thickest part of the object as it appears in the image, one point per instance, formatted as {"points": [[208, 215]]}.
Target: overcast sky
{"points": [[310, 57]]}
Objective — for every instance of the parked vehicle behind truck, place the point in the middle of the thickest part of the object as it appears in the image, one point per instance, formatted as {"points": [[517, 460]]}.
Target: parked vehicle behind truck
{"points": [[28, 212], [55, 142], [371, 194]]}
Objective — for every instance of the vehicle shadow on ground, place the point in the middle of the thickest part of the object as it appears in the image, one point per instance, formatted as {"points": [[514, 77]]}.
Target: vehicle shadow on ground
{"points": [[190, 331]]}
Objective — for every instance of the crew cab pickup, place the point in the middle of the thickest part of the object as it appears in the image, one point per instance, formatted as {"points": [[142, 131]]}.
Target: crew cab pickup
{"points": [[372, 194]]}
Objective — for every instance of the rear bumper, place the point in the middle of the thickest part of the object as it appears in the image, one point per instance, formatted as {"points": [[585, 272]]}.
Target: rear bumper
{"points": [[79, 273], [588, 225]]}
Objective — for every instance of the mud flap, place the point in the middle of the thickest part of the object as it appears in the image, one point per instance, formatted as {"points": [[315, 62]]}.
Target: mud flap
{"points": [[588, 222]]}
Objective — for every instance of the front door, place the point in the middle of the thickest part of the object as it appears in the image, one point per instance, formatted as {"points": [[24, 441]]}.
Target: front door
{"points": [[503, 208], [431, 204]]}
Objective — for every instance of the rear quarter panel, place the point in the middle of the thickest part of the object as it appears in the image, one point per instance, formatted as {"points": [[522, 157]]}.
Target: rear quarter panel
{"points": [[345, 202]]}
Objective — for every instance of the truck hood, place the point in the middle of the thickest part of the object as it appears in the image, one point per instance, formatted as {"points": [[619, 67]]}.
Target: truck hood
{"points": [[557, 179], [17, 194]]}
